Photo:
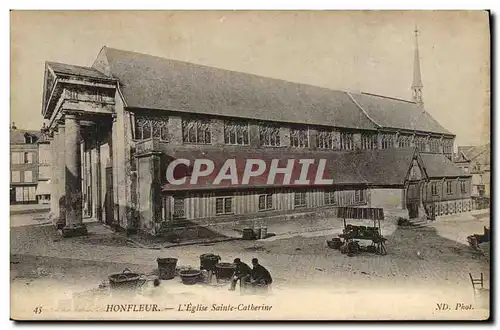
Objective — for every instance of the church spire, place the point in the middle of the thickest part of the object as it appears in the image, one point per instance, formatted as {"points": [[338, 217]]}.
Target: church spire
{"points": [[417, 85]]}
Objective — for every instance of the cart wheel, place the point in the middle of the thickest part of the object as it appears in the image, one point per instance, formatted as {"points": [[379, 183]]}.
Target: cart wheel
{"points": [[384, 251], [353, 248], [381, 249]]}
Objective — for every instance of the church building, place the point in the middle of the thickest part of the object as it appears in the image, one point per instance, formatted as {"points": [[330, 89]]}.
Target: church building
{"points": [[117, 125]]}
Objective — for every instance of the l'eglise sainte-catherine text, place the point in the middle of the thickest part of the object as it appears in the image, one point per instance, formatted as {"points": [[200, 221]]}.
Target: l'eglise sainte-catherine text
{"points": [[193, 308]]}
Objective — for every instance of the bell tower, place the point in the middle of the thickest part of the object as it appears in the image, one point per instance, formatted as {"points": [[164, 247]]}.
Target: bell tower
{"points": [[417, 85]]}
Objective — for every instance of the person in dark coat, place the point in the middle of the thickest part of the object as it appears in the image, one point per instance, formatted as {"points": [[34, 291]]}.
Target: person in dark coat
{"points": [[242, 273], [260, 275]]}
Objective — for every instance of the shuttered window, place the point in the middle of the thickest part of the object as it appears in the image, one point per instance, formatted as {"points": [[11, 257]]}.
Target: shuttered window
{"points": [[223, 205], [28, 176], [449, 190], [331, 198], [463, 187], [299, 199], [179, 208], [15, 176], [434, 190], [265, 202]]}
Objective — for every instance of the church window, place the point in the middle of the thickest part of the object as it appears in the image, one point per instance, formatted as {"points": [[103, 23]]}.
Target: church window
{"points": [[147, 127], [269, 135], [236, 133], [369, 141], [299, 137], [196, 131], [346, 141]]}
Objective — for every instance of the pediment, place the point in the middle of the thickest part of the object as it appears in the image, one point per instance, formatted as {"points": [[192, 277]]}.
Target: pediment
{"points": [[417, 170], [48, 86]]}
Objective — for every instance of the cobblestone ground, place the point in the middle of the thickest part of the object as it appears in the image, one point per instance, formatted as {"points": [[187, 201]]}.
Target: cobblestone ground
{"points": [[428, 259]]}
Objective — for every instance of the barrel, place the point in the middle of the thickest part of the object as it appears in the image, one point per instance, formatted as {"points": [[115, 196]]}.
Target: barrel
{"points": [[166, 268], [224, 271], [334, 243], [208, 261], [248, 234], [263, 232], [190, 276], [473, 241], [126, 281]]}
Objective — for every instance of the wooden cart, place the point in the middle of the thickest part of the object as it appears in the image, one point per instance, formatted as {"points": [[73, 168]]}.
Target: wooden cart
{"points": [[352, 233]]}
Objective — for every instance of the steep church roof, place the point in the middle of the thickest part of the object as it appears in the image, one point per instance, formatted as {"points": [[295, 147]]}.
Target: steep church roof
{"points": [[157, 83], [472, 152], [438, 166], [152, 82], [393, 113]]}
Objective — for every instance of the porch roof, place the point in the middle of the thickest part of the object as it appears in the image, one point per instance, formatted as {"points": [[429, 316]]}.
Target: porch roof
{"points": [[438, 166], [68, 69]]}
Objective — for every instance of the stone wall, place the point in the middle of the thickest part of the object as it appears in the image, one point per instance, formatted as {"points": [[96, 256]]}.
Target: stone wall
{"points": [[387, 198], [438, 208]]}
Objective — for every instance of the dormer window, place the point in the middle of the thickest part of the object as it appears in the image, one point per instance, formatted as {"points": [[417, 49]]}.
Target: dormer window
{"points": [[29, 139]]}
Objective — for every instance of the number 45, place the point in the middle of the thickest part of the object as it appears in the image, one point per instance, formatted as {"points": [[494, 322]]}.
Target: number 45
{"points": [[38, 310]]}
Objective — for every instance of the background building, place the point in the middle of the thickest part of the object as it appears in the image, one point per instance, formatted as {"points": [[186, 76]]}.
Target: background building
{"points": [[30, 162], [23, 165], [476, 161], [43, 188]]}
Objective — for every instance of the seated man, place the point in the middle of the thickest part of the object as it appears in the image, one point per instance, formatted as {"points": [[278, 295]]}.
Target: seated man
{"points": [[241, 273], [260, 275]]}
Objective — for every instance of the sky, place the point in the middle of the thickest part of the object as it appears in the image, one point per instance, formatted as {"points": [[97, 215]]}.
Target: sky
{"points": [[353, 51]]}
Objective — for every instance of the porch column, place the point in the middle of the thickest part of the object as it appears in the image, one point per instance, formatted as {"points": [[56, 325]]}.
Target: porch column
{"points": [[73, 184], [114, 161], [61, 175], [54, 191], [83, 173], [149, 186], [156, 187], [380, 138], [97, 175]]}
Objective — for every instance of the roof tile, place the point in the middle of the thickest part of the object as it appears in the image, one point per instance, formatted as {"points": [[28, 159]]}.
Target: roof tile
{"points": [[438, 166], [76, 70], [394, 113], [157, 83]]}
